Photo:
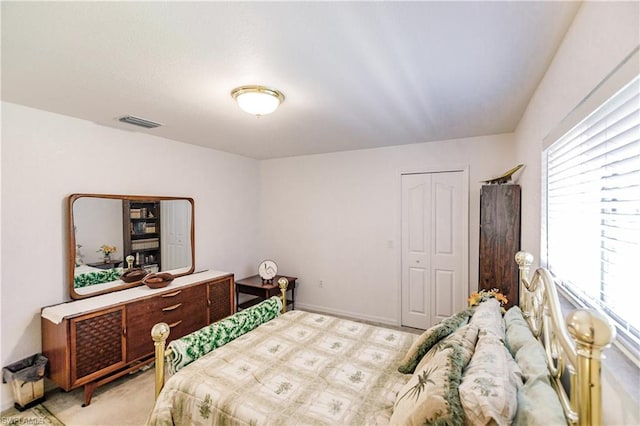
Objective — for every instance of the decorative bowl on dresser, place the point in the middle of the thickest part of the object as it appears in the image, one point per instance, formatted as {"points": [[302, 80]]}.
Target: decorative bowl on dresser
{"points": [[158, 279], [132, 275]]}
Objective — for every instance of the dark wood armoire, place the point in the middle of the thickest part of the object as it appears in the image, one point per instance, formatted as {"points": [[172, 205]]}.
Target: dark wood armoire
{"points": [[500, 239]]}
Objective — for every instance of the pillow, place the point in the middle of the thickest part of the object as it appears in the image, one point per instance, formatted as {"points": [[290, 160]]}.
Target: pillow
{"points": [[488, 316], [489, 387], [429, 338], [431, 395], [464, 338], [532, 360], [518, 332], [538, 404], [199, 343]]}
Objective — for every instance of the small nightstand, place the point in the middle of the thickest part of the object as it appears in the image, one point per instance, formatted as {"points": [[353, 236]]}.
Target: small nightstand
{"points": [[253, 286], [108, 265]]}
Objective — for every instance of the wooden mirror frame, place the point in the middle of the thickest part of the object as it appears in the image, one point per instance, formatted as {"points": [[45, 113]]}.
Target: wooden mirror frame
{"points": [[71, 239]]}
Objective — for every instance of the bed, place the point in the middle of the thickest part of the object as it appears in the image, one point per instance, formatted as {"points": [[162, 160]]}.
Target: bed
{"points": [[85, 275], [480, 366]]}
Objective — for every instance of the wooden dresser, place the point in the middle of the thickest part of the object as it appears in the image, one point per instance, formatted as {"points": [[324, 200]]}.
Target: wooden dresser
{"points": [[93, 341]]}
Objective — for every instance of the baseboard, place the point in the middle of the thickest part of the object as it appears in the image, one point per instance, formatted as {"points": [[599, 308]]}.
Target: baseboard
{"points": [[354, 315], [6, 405]]}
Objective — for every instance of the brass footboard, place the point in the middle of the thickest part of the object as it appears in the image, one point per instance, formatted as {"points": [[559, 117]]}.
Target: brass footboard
{"points": [[160, 332], [574, 345]]}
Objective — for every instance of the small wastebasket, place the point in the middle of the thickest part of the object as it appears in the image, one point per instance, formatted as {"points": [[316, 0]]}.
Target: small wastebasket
{"points": [[27, 380]]}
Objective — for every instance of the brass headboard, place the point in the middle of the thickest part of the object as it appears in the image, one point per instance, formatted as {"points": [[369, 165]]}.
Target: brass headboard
{"points": [[572, 346]]}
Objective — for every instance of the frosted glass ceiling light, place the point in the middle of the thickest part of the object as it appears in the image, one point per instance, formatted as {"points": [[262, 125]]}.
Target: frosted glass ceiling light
{"points": [[257, 100]]}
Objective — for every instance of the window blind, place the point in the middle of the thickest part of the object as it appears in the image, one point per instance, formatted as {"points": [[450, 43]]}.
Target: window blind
{"points": [[592, 210]]}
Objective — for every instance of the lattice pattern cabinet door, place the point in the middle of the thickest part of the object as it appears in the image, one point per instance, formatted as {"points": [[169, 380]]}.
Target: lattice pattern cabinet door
{"points": [[97, 344], [500, 239], [221, 299]]}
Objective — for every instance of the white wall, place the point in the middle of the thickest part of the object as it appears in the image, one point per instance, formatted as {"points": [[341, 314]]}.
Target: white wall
{"points": [[601, 36], [336, 218], [46, 156], [108, 213]]}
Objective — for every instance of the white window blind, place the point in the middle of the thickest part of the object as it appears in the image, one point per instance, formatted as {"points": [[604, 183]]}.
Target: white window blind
{"points": [[592, 206]]}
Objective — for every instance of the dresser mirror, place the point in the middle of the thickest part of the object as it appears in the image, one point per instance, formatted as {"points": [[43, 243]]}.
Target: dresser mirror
{"points": [[155, 233]]}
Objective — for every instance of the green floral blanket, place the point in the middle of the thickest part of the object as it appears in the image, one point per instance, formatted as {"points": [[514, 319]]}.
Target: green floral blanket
{"points": [[193, 346], [96, 277], [299, 368]]}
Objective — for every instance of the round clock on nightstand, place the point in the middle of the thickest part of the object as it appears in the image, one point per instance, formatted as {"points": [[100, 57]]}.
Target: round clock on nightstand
{"points": [[267, 270]]}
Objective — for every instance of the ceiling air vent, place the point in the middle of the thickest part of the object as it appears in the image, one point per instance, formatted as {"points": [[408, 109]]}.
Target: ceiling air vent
{"points": [[137, 121]]}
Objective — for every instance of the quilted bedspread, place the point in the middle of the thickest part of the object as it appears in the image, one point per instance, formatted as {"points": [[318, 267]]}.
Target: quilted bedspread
{"points": [[299, 369]]}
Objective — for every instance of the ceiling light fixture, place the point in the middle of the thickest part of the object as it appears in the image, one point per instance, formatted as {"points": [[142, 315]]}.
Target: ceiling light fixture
{"points": [[257, 100]]}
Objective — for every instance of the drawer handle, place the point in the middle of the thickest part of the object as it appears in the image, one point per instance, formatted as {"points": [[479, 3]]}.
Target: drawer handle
{"points": [[174, 324], [175, 293], [172, 307]]}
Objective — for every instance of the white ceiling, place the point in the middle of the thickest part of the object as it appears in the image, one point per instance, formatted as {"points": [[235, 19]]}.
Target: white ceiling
{"points": [[355, 74]]}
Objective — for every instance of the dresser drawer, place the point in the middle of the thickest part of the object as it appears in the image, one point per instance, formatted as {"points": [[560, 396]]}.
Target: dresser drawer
{"points": [[185, 310], [166, 302]]}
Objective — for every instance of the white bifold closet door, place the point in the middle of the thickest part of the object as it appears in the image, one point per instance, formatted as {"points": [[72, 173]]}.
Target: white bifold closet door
{"points": [[434, 236], [175, 229]]}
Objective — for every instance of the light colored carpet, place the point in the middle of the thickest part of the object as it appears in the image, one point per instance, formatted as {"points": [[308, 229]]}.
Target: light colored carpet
{"points": [[37, 415], [126, 401]]}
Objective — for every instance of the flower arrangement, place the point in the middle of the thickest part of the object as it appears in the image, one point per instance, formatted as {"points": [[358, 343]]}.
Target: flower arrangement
{"points": [[478, 297], [106, 250]]}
